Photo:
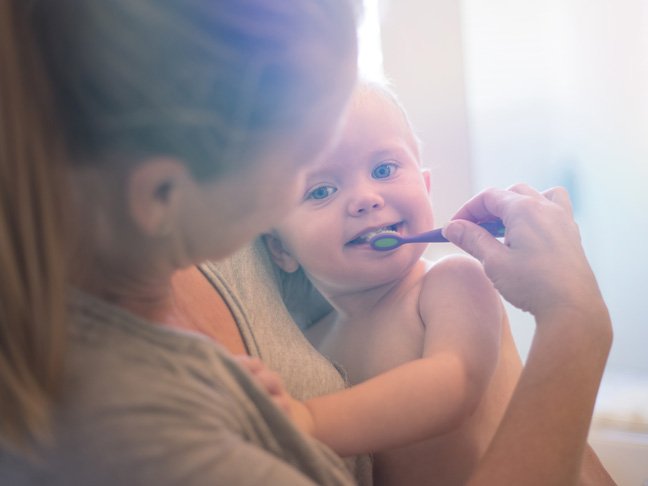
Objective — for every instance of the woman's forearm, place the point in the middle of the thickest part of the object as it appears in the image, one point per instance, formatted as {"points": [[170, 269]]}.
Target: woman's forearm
{"points": [[542, 438]]}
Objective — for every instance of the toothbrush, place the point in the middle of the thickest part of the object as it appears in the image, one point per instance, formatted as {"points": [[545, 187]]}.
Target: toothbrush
{"points": [[390, 241]]}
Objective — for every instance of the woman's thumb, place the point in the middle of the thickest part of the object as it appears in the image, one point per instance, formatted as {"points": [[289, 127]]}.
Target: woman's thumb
{"points": [[472, 238]]}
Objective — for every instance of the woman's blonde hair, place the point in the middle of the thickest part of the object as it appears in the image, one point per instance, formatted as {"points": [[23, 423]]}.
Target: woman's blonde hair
{"points": [[85, 82], [31, 238]]}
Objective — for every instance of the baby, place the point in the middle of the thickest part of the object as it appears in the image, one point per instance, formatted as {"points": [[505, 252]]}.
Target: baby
{"points": [[426, 345]]}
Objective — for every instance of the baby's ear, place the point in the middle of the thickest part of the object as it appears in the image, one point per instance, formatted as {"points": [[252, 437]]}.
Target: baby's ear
{"points": [[282, 258], [426, 178]]}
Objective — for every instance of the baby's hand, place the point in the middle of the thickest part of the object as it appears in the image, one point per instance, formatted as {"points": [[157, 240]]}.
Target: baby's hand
{"points": [[272, 383], [269, 380]]}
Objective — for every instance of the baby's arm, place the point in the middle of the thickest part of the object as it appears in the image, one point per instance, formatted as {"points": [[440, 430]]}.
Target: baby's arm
{"points": [[463, 315], [430, 396], [425, 397]]}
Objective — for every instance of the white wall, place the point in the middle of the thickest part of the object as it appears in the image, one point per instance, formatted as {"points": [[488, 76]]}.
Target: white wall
{"points": [[552, 92], [558, 94], [422, 52]]}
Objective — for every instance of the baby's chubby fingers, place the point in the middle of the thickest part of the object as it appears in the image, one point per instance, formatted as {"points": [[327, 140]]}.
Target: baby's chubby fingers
{"points": [[269, 380], [249, 363], [272, 383]]}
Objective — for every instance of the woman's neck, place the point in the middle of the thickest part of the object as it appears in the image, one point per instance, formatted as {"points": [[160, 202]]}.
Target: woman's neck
{"points": [[111, 259], [148, 295], [183, 299], [200, 308]]}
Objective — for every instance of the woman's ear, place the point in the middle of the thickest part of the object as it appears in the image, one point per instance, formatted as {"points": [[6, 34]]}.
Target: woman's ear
{"points": [[279, 254], [426, 179], [154, 193]]}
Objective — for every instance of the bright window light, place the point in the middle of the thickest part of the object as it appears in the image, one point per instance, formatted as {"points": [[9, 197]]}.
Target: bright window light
{"points": [[370, 61]]}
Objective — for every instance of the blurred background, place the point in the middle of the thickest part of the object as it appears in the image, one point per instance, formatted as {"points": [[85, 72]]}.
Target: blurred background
{"points": [[549, 93]]}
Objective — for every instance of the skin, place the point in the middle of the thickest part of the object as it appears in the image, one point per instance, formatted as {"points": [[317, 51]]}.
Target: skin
{"points": [[441, 371]]}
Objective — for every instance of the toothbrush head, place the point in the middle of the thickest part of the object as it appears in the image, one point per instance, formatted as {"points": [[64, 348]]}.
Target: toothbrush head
{"points": [[385, 242]]}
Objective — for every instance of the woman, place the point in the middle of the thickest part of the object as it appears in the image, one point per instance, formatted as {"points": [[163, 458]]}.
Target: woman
{"points": [[140, 138]]}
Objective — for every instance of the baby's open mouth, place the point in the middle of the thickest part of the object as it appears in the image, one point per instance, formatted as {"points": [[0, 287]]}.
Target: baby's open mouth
{"points": [[365, 237]]}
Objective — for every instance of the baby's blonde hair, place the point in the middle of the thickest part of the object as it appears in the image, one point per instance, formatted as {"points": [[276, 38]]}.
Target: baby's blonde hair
{"points": [[367, 87]]}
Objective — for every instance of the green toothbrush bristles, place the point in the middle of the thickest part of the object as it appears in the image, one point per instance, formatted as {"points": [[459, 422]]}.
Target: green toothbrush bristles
{"points": [[385, 242]]}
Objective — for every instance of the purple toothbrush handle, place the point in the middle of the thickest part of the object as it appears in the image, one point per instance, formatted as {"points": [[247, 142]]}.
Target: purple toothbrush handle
{"points": [[495, 228], [433, 236]]}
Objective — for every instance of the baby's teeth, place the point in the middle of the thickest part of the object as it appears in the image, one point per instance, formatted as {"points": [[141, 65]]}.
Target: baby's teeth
{"points": [[380, 231]]}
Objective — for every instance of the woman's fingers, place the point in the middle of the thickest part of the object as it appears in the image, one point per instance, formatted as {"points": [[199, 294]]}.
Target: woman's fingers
{"points": [[560, 196], [487, 205], [497, 203], [473, 239], [475, 209], [524, 189], [541, 264]]}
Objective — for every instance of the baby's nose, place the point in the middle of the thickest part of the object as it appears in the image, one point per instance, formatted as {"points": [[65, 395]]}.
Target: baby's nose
{"points": [[365, 204]]}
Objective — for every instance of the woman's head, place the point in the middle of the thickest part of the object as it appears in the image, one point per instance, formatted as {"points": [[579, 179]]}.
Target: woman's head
{"points": [[237, 92], [149, 96], [206, 82]]}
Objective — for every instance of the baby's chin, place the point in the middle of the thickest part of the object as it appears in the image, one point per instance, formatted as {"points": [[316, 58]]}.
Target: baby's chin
{"points": [[377, 269]]}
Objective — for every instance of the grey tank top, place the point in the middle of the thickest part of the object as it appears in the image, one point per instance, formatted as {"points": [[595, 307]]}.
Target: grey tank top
{"points": [[249, 284]]}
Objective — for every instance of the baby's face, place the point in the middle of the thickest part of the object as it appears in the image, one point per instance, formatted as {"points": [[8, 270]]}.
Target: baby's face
{"points": [[371, 181]]}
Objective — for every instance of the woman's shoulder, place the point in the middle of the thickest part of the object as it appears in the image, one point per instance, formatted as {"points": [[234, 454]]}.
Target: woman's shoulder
{"points": [[110, 347]]}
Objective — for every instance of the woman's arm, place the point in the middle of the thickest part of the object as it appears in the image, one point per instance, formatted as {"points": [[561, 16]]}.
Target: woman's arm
{"points": [[541, 268], [543, 434]]}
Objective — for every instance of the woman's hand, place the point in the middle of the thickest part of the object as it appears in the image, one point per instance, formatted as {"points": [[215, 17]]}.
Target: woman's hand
{"points": [[541, 266]]}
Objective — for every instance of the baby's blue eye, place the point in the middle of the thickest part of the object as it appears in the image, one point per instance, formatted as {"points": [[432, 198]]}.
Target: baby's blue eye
{"points": [[321, 192], [384, 170]]}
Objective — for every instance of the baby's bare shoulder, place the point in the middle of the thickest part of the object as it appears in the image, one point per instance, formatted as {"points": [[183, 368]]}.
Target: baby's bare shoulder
{"points": [[456, 280], [454, 269]]}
